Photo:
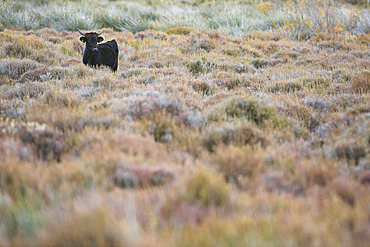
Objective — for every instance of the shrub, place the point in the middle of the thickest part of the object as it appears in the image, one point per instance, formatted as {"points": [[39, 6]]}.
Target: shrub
{"points": [[260, 63], [197, 196], [318, 104], [237, 135], [132, 72], [20, 182], [151, 34], [204, 88], [361, 82], [206, 188], [309, 174], [199, 41], [201, 67], [14, 68], [151, 105], [345, 188], [44, 74], [350, 151], [236, 162], [24, 192], [244, 68], [162, 128], [96, 227], [23, 91], [179, 30], [61, 98], [250, 110], [22, 47], [230, 80], [286, 87], [141, 177], [234, 231], [46, 144]]}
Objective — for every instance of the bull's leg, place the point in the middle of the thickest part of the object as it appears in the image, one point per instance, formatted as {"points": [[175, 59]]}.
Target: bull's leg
{"points": [[115, 65]]}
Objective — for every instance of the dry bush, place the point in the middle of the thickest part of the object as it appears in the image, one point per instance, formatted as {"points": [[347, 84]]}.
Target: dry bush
{"points": [[197, 196], [22, 181], [318, 173], [230, 80], [345, 189], [25, 190], [203, 41], [278, 182], [150, 105], [46, 144], [155, 106], [238, 162], [324, 41], [364, 178], [22, 91], [151, 34], [319, 104], [286, 87], [261, 63], [243, 229], [249, 110], [205, 188], [203, 88], [350, 151], [44, 74], [61, 98], [141, 177], [14, 68], [201, 66], [162, 127], [96, 227], [361, 82], [233, 135], [22, 47]]}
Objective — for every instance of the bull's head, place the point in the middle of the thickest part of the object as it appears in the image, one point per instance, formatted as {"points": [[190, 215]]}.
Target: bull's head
{"points": [[91, 39]]}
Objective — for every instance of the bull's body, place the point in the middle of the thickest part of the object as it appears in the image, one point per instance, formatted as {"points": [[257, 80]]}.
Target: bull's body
{"points": [[107, 54], [99, 54]]}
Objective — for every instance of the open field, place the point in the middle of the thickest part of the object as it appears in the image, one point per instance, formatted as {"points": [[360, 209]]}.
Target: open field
{"points": [[236, 134]]}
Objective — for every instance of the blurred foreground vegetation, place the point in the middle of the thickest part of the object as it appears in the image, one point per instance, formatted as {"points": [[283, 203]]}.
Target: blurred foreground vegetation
{"points": [[299, 19]]}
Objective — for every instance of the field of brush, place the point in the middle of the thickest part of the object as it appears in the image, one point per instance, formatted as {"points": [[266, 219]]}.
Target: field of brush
{"points": [[228, 123]]}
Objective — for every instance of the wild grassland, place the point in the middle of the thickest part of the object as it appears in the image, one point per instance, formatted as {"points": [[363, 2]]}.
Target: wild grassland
{"points": [[202, 138]]}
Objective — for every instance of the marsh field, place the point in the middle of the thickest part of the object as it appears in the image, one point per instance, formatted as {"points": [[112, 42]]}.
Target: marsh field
{"points": [[228, 123]]}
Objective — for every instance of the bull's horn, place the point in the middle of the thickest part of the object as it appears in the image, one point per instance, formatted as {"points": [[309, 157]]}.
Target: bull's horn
{"points": [[101, 32], [81, 32]]}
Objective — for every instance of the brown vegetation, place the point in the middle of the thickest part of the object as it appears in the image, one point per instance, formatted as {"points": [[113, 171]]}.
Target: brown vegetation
{"points": [[199, 139]]}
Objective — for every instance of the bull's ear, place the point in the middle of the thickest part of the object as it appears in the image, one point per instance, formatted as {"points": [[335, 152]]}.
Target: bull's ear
{"points": [[83, 39], [100, 39]]}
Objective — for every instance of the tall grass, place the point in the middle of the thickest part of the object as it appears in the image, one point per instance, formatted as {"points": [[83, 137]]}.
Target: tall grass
{"points": [[237, 19]]}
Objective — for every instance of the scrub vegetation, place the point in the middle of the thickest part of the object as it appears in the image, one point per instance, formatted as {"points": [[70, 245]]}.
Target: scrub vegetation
{"points": [[227, 124]]}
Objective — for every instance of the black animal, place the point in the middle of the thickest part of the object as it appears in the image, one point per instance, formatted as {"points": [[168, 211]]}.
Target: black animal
{"points": [[99, 54]]}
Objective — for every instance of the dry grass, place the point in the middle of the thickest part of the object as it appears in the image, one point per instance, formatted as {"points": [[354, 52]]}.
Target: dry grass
{"points": [[199, 139]]}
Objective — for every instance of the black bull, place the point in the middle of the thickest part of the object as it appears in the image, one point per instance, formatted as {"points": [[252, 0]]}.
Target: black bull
{"points": [[99, 54]]}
